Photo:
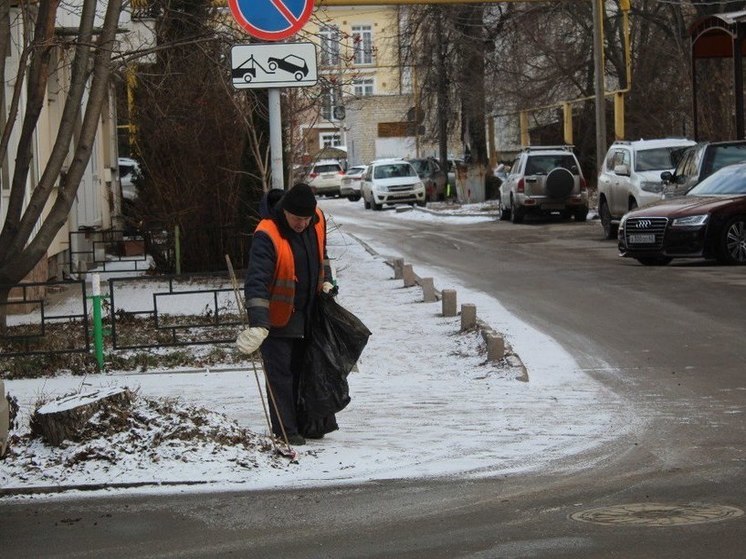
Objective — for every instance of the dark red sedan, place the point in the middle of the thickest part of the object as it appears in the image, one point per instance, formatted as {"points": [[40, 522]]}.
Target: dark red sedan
{"points": [[708, 222]]}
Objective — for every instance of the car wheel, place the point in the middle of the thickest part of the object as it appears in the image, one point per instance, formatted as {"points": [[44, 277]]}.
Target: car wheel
{"points": [[581, 214], [298, 76], [272, 66], [247, 77], [559, 183], [516, 213], [653, 260], [610, 229], [376, 207], [632, 205], [353, 197], [732, 247]]}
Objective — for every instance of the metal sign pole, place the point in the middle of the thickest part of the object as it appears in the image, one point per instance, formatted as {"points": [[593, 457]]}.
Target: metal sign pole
{"points": [[275, 137]]}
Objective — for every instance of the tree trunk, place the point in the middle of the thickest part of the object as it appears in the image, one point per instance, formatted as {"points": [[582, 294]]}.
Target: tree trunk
{"points": [[66, 417]]}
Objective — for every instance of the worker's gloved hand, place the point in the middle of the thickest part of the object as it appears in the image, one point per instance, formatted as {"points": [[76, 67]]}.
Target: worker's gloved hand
{"points": [[329, 289], [250, 339]]}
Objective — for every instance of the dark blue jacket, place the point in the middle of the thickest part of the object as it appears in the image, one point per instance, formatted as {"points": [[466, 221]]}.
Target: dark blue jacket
{"points": [[260, 272]]}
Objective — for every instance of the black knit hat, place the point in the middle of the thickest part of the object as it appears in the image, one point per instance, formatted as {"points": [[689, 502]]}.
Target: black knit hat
{"points": [[300, 200]]}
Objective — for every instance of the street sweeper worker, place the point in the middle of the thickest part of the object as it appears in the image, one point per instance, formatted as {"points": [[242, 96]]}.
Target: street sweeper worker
{"points": [[288, 269]]}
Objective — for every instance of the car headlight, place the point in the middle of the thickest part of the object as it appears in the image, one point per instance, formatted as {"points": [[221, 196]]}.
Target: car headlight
{"points": [[650, 186], [419, 185], [381, 188], [690, 221]]}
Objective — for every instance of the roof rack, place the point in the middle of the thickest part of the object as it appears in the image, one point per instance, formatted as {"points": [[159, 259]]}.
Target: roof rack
{"points": [[564, 147]]}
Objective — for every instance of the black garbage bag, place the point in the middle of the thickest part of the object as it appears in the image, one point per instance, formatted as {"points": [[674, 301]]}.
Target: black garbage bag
{"points": [[337, 339]]}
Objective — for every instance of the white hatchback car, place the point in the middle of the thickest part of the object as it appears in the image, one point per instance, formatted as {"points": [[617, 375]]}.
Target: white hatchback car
{"points": [[391, 181], [325, 177], [351, 180]]}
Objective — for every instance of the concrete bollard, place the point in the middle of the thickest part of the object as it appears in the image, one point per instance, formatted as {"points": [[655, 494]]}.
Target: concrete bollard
{"points": [[428, 290], [468, 316], [398, 268], [449, 302], [408, 273], [495, 347]]}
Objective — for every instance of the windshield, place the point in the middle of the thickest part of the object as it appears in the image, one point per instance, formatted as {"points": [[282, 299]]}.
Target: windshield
{"points": [[327, 169], [658, 159], [419, 165], [542, 164], [394, 170], [727, 181]]}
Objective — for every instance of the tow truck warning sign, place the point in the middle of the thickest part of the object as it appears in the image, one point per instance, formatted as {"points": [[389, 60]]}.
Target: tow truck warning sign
{"points": [[273, 65]]}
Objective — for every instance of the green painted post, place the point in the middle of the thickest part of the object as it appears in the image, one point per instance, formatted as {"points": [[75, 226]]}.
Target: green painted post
{"points": [[98, 327], [177, 248]]}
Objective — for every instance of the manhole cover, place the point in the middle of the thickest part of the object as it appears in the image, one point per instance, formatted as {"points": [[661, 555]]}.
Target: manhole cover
{"points": [[656, 514]]}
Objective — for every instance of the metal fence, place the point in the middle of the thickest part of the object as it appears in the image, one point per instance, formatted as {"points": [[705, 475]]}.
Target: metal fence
{"points": [[37, 324], [162, 319], [172, 311], [169, 250]]}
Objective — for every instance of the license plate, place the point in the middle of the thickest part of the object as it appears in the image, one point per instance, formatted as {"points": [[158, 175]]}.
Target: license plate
{"points": [[642, 239]]}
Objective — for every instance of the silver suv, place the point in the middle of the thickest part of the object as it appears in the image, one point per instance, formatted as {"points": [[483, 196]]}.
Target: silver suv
{"points": [[542, 180], [631, 177]]}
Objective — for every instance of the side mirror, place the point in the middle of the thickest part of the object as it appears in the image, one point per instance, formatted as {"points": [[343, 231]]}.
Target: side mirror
{"points": [[667, 176], [621, 170]]}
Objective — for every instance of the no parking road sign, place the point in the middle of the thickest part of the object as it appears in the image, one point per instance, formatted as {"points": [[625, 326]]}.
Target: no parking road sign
{"points": [[272, 20]]}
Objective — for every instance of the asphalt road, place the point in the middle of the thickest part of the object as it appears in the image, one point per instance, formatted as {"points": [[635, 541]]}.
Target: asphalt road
{"points": [[668, 338]]}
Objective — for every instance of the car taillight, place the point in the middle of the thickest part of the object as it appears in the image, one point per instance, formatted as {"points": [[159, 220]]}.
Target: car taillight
{"points": [[313, 175], [341, 172], [521, 186]]}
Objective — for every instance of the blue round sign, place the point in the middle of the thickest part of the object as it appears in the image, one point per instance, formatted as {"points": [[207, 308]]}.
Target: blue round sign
{"points": [[272, 20]]}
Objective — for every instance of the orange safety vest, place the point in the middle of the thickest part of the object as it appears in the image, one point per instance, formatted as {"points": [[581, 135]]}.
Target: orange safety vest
{"points": [[282, 290]]}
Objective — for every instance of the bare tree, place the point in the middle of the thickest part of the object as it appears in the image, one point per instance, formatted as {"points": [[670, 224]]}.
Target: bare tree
{"points": [[28, 229]]}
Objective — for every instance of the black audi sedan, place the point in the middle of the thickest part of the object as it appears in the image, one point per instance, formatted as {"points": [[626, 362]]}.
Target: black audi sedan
{"points": [[708, 222]]}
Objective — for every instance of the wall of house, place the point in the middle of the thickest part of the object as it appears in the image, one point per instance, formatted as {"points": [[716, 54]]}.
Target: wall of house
{"points": [[94, 206]]}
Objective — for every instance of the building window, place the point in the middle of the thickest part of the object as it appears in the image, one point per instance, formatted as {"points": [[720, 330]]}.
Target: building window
{"points": [[329, 35], [330, 139], [330, 98], [362, 87], [362, 41]]}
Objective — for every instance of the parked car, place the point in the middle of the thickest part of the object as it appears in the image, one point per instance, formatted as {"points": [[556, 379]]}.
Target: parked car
{"points": [[542, 180], [432, 176], [4, 419], [631, 176], [351, 180], [391, 181], [708, 222], [325, 177], [129, 172], [699, 162]]}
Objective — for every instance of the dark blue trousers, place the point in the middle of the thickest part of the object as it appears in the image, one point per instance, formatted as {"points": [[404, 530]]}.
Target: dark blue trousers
{"points": [[283, 363]]}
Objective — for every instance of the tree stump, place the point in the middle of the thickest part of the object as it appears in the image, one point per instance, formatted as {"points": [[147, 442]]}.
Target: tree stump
{"points": [[65, 417]]}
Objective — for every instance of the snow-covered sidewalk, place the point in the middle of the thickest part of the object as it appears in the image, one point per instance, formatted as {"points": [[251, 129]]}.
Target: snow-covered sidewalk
{"points": [[425, 402]]}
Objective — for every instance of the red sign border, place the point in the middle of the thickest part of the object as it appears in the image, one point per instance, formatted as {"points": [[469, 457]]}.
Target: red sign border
{"points": [[271, 35]]}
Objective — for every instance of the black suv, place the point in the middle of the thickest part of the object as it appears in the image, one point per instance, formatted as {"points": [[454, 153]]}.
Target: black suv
{"points": [[699, 162]]}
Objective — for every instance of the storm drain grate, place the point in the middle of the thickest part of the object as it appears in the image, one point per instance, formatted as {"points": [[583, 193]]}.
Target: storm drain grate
{"points": [[657, 514]]}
